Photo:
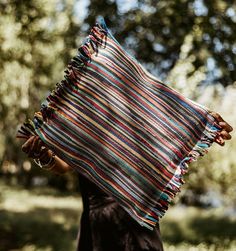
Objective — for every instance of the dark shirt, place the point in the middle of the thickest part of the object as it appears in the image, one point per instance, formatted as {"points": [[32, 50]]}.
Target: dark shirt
{"points": [[106, 226]]}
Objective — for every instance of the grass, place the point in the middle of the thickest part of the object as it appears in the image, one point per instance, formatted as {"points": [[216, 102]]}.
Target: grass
{"points": [[43, 220], [33, 220], [189, 228]]}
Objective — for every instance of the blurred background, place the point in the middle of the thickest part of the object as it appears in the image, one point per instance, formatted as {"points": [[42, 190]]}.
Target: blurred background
{"points": [[190, 45]]}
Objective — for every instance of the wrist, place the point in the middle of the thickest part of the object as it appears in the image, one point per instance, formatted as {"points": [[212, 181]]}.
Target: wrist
{"points": [[46, 160], [45, 157]]}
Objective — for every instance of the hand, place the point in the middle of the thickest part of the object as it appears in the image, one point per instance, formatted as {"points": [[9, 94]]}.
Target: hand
{"points": [[33, 147], [224, 133]]}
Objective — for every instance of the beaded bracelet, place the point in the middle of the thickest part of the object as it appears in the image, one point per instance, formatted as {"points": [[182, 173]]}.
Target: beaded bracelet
{"points": [[47, 166]]}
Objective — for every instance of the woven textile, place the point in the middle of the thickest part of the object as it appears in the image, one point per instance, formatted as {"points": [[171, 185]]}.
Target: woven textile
{"points": [[122, 128]]}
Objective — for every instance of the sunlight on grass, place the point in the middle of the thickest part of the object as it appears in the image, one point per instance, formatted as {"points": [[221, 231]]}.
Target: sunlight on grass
{"points": [[200, 247], [38, 219], [35, 248], [23, 200], [191, 228], [43, 219]]}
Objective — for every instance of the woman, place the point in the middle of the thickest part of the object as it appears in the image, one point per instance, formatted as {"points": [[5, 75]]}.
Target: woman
{"points": [[105, 225]]}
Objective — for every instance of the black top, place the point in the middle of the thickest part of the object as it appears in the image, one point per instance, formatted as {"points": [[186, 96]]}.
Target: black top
{"points": [[106, 226]]}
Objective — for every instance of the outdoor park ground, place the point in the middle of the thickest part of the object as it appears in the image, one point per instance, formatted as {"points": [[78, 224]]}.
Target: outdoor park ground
{"points": [[46, 220]]}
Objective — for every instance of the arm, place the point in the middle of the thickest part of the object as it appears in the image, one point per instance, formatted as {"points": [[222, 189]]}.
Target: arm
{"points": [[34, 148]]}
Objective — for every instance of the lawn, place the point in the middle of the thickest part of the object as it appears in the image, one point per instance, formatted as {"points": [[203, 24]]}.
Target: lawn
{"points": [[45, 220]]}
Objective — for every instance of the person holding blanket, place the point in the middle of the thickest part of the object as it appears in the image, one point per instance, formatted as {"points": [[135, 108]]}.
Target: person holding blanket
{"points": [[130, 138], [104, 224]]}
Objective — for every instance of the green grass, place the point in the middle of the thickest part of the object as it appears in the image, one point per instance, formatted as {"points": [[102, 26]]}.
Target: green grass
{"points": [[198, 229], [33, 220], [45, 220]]}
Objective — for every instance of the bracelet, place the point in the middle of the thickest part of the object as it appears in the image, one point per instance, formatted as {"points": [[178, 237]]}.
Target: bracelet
{"points": [[49, 165], [40, 154], [37, 155]]}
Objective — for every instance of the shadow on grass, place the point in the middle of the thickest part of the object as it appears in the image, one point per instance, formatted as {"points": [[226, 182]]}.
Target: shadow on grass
{"points": [[54, 228], [211, 228], [216, 230]]}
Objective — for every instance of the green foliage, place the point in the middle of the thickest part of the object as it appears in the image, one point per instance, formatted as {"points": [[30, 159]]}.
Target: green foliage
{"points": [[154, 31], [37, 40]]}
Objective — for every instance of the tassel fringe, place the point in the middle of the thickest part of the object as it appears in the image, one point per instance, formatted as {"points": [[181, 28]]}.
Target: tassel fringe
{"points": [[200, 149], [97, 38]]}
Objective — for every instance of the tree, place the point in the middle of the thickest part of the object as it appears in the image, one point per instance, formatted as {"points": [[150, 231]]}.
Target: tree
{"points": [[154, 32], [37, 41]]}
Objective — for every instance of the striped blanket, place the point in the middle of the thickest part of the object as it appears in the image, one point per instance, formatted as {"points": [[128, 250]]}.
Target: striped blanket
{"points": [[122, 128]]}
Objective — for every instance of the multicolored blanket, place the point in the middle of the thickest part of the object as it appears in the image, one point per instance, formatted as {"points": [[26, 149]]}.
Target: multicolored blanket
{"points": [[122, 128]]}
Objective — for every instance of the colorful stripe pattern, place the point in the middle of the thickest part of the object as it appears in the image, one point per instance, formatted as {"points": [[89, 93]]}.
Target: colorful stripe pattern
{"points": [[122, 128]]}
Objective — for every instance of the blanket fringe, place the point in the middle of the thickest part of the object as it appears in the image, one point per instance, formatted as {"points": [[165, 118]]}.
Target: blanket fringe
{"points": [[26, 130], [201, 148], [97, 38]]}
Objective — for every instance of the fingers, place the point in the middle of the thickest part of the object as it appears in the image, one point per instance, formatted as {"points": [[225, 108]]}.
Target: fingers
{"points": [[226, 128], [38, 145], [217, 116], [222, 122], [220, 141], [26, 146], [33, 147], [225, 135]]}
